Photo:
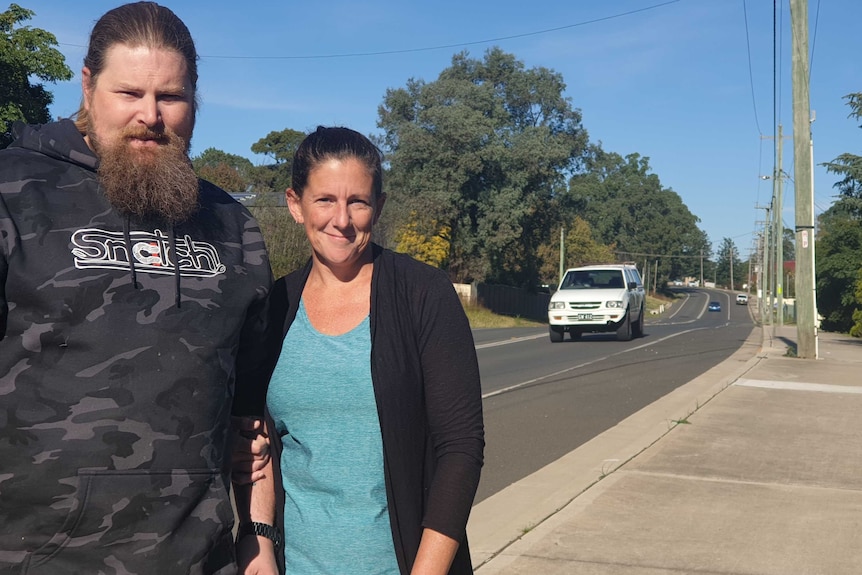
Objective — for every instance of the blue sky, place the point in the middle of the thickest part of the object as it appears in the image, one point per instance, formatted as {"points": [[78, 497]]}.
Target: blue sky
{"points": [[687, 83]]}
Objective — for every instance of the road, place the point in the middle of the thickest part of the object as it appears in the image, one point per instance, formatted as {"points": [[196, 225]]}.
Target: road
{"points": [[542, 400]]}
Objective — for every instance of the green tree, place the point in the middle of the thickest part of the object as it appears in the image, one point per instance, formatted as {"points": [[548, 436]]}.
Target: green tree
{"points": [[856, 330], [839, 259], [849, 165], [581, 249], [230, 172], [726, 254], [25, 53], [483, 150], [280, 147], [626, 205], [839, 240]]}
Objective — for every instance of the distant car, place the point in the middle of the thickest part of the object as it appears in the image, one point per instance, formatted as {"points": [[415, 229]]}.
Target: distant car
{"points": [[741, 299], [714, 306]]}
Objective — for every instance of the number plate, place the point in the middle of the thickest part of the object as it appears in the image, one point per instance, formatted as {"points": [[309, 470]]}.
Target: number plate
{"points": [[585, 316]]}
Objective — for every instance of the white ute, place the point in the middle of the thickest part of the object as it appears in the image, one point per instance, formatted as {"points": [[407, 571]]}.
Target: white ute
{"points": [[598, 298]]}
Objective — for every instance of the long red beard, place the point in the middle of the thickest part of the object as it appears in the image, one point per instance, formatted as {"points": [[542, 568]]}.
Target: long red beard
{"points": [[149, 182]]}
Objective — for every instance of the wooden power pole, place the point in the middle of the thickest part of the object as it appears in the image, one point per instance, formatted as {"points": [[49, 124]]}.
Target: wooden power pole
{"points": [[806, 308]]}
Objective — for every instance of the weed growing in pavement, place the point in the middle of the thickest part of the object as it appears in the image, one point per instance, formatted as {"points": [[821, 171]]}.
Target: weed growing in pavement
{"points": [[608, 467], [791, 351]]}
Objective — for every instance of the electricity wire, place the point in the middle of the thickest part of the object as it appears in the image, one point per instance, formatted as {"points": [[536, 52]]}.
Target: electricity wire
{"points": [[431, 48], [750, 72]]}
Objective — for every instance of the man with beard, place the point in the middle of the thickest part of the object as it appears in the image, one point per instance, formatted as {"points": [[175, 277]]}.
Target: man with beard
{"points": [[132, 322]]}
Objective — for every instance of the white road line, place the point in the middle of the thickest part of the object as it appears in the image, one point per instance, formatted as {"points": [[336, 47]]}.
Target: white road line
{"points": [[679, 307], [580, 365], [799, 386], [508, 341]]}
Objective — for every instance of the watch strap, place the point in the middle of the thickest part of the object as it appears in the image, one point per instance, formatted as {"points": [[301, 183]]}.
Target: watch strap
{"points": [[262, 530]]}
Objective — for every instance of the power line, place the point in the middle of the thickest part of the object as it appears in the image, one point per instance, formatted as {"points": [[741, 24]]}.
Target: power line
{"points": [[446, 46], [430, 48], [813, 41], [750, 73]]}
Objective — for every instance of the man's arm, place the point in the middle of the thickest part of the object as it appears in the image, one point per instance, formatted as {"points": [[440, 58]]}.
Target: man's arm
{"points": [[255, 503]]}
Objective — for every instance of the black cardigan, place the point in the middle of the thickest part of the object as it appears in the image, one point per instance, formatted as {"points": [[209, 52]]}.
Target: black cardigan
{"points": [[426, 385]]}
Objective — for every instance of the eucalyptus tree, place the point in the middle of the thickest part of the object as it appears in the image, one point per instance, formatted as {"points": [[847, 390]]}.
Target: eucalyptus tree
{"points": [[483, 151], [626, 205]]}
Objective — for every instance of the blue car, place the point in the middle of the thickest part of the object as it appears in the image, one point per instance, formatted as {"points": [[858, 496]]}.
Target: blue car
{"points": [[714, 306]]}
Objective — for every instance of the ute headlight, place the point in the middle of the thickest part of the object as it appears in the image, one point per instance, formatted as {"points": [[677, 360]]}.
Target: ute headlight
{"points": [[557, 305], [614, 304]]}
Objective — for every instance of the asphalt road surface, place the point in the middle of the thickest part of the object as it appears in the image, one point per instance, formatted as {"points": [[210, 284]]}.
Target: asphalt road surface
{"points": [[542, 400]]}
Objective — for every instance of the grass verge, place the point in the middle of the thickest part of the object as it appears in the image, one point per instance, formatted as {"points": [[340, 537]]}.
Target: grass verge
{"points": [[481, 317]]}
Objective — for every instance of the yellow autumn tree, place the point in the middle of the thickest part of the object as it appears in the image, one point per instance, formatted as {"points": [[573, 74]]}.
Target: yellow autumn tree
{"points": [[581, 249], [426, 241]]}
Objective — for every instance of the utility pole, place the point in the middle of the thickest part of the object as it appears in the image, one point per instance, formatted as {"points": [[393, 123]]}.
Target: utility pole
{"points": [[562, 255], [730, 249], [767, 272], [760, 275], [779, 231], [806, 345], [748, 284], [763, 259]]}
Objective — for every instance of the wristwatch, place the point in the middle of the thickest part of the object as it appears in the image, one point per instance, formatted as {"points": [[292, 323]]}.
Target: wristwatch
{"points": [[262, 529]]}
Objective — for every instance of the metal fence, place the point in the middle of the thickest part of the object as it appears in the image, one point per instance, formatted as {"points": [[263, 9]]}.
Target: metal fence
{"points": [[507, 300]]}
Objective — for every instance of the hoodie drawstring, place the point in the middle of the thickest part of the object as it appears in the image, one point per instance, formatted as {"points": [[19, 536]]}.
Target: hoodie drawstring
{"points": [[176, 261], [127, 236]]}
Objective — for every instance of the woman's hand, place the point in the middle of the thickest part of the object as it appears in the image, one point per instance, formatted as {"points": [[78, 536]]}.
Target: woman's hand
{"points": [[250, 452]]}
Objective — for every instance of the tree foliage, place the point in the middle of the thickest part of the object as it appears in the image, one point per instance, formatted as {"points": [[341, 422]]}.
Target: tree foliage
{"points": [[427, 241], [856, 330], [839, 241], [849, 165], [626, 205], [25, 53], [727, 256], [280, 147], [232, 173], [839, 259], [581, 248], [483, 150]]}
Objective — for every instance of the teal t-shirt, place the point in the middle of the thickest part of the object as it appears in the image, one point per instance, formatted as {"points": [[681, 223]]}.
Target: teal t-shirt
{"points": [[336, 517]]}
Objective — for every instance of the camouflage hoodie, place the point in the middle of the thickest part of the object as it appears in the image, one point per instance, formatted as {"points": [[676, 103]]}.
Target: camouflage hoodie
{"points": [[122, 343]]}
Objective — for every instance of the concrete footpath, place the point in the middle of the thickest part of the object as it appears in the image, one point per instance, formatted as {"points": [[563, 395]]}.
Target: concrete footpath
{"points": [[755, 467]]}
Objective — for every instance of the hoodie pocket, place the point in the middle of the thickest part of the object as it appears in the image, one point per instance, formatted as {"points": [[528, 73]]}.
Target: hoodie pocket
{"points": [[141, 521]]}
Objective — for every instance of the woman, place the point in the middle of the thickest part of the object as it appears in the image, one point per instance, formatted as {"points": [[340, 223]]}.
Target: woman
{"points": [[375, 397]]}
